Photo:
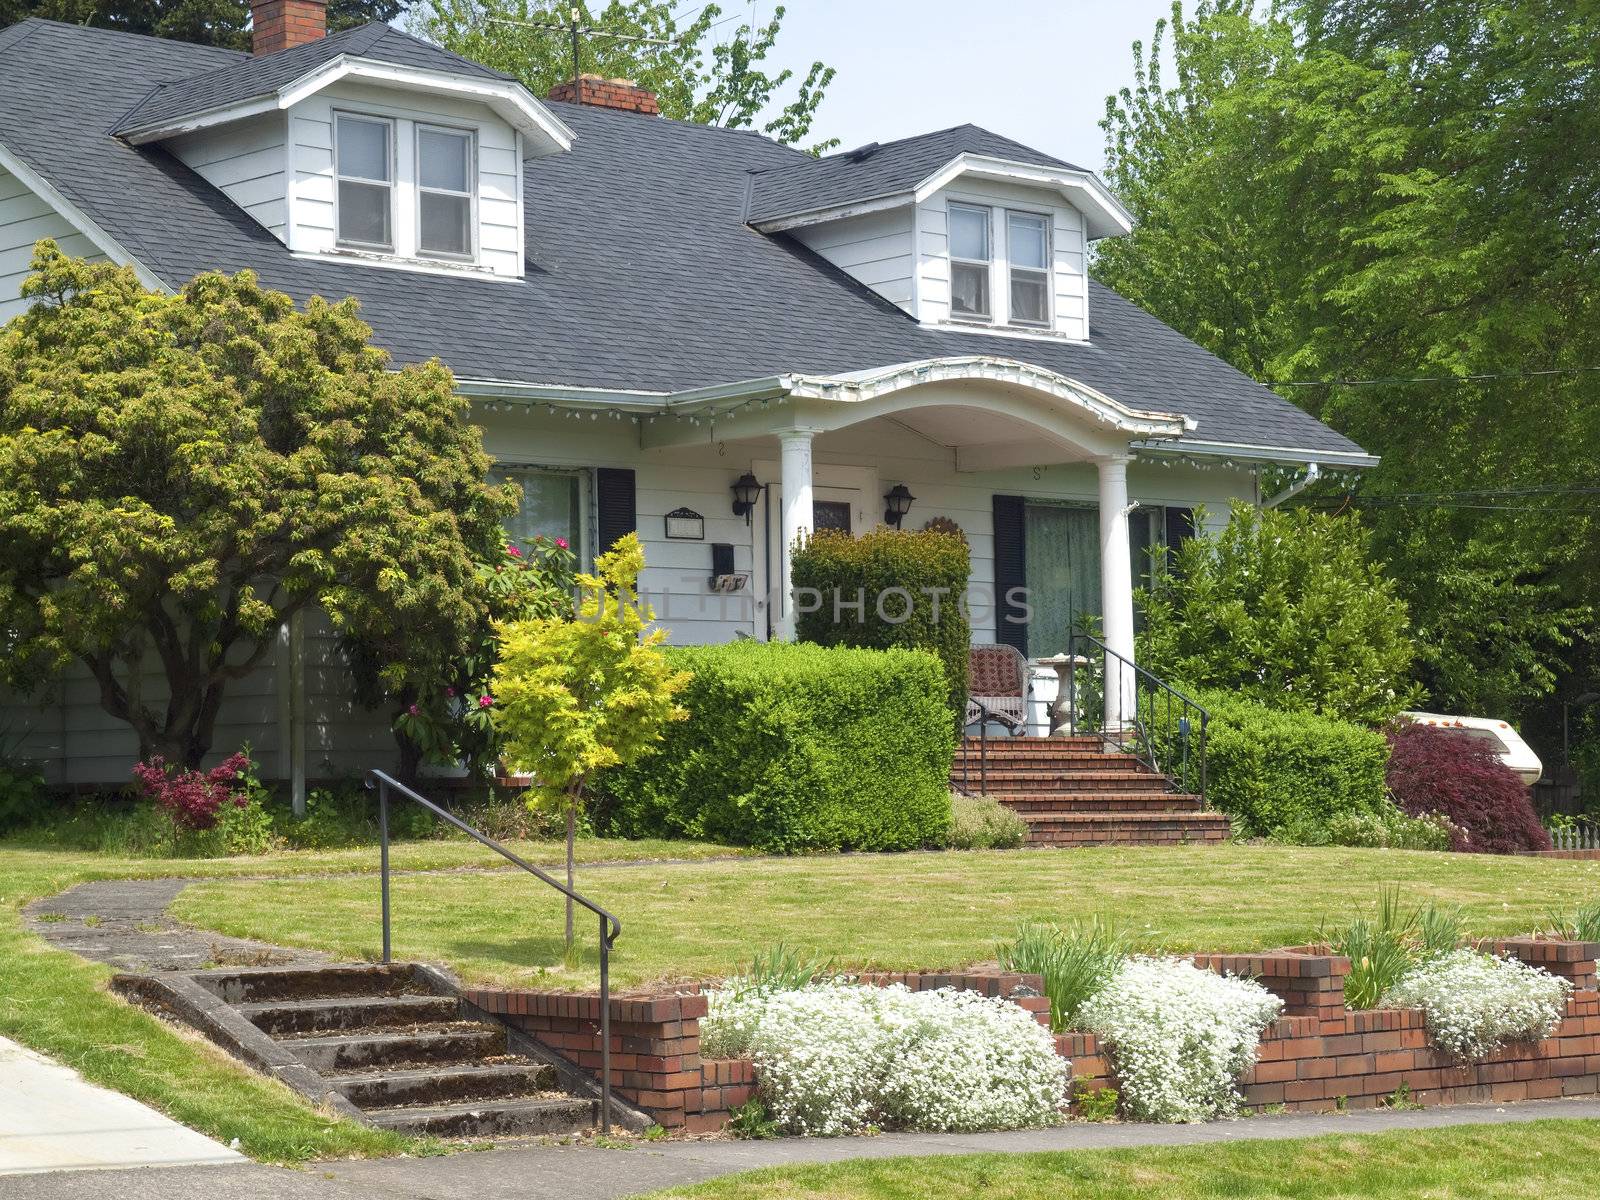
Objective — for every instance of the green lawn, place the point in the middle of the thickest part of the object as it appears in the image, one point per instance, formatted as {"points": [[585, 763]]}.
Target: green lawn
{"points": [[58, 1004], [1545, 1160], [893, 911]]}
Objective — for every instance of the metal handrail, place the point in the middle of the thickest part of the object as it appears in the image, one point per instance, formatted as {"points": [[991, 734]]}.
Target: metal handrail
{"points": [[1156, 689], [610, 927]]}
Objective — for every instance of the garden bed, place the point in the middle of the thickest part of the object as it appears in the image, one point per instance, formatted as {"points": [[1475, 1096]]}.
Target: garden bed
{"points": [[1318, 1055]]}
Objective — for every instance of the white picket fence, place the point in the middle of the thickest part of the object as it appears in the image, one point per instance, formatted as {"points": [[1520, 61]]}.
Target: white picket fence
{"points": [[1576, 837]]}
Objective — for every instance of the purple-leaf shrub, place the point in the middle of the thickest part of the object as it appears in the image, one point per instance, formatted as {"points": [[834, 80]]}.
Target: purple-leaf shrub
{"points": [[194, 799], [1464, 781]]}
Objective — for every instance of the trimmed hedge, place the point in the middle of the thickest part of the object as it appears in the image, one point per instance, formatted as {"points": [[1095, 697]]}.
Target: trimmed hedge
{"points": [[911, 588], [1273, 770], [792, 747]]}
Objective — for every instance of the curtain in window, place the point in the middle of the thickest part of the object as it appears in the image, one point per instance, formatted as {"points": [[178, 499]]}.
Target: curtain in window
{"points": [[1063, 573], [549, 505]]}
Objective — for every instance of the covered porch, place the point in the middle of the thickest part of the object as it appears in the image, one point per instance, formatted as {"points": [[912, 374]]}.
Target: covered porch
{"points": [[814, 447]]}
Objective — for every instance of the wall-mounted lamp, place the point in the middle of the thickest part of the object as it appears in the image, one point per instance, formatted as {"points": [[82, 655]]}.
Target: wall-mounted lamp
{"points": [[898, 503], [746, 491]]}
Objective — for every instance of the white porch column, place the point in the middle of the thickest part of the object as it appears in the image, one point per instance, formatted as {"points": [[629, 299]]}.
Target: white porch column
{"points": [[1116, 587], [795, 471]]}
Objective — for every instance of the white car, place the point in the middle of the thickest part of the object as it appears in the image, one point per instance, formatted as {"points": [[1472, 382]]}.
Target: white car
{"points": [[1504, 740]]}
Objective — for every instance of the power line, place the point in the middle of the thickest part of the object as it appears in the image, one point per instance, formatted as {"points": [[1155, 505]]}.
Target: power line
{"points": [[1479, 377]]}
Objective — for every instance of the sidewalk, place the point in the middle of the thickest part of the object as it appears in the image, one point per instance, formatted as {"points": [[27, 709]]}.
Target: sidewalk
{"points": [[588, 1173], [52, 1120]]}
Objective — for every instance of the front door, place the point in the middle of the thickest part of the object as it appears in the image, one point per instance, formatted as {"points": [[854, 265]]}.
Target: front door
{"points": [[1062, 569], [835, 508]]}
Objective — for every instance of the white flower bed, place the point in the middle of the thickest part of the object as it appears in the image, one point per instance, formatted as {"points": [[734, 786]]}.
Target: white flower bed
{"points": [[1180, 1037], [837, 1057], [1475, 1003]]}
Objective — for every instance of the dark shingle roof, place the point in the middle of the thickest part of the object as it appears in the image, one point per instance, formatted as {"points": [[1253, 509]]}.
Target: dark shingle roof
{"points": [[247, 77], [642, 273], [813, 184]]}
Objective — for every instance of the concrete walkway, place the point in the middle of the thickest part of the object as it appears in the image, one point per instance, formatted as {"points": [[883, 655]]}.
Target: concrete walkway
{"points": [[51, 1119], [589, 1173]]}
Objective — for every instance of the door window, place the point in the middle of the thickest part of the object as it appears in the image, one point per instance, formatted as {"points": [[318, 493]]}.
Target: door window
{"points": [[830, 514]]}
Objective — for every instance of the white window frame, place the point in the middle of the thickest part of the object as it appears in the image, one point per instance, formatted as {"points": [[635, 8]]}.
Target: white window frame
{"points": [[583, 547], [471, 193], [338, 177], [1045, 222], [988, 265]]}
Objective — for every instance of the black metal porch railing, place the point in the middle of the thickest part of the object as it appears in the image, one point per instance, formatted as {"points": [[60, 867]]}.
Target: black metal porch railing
{"points": [[610, 927], [1159, 725]]}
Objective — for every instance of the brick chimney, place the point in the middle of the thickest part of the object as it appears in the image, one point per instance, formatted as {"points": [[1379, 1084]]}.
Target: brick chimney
{"points": [[598, 92], [284, 24]]}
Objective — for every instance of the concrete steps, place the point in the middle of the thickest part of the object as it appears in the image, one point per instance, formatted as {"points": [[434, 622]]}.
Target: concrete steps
{"points": [[1077, 791], [406, 1056]]}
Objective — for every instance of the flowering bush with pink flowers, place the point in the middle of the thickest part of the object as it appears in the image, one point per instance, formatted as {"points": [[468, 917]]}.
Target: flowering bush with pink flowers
{"points": [[195, 799]]}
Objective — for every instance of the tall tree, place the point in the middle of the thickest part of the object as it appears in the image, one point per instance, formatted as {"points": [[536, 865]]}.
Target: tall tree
{"points": [[1336, 190], [181, 474], [209, 22], [701, 70]]}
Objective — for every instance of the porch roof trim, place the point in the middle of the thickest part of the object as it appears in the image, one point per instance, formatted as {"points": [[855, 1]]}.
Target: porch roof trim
{"points": [[854, 387]]}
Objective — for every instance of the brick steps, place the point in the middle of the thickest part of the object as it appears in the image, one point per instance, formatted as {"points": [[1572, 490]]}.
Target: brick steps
{"points": [[1125, 829], [1076, 792]]}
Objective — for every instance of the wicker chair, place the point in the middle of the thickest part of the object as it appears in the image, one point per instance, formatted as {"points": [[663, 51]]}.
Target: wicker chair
{"points": [[997, 687]]}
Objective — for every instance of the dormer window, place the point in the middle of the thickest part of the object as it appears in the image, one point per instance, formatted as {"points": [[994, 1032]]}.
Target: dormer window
{"points": [[970, 262], [1028, 256], [364, 166], [446, 170]]}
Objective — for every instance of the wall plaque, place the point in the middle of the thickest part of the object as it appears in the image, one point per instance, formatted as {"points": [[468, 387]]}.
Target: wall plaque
{"points": [[686, 525]]}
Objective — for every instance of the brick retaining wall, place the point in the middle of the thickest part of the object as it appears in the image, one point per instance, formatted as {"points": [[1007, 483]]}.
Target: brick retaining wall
{"points": [[1318, 1055]]}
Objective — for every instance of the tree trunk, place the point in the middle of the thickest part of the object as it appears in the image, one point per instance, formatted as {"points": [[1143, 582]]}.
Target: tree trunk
{"points": [[410, 759], [572, 831]]}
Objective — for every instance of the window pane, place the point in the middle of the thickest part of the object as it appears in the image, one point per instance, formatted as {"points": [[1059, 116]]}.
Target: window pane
{"points": [[969, 290], [444, 160], [1029, 303], [363, 149], [445, 224], [549, 506], [969, 233], [364, 213], [1027, 241]]}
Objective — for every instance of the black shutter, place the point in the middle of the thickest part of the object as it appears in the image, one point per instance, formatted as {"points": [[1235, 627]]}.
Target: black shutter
{"points": [[616, 510], [1010, 571], [1180, 528]]}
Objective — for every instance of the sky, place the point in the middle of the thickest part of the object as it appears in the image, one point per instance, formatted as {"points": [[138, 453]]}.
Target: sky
{"points": [[1038, 71]]}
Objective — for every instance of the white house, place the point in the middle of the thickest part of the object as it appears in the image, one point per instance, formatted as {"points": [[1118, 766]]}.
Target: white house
{"points": [[645, 313]]}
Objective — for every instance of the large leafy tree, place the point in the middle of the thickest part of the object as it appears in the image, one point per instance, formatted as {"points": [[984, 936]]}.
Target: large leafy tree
{"points": [[181, 474], [1333, 190], [701, 69], [209, 22]]}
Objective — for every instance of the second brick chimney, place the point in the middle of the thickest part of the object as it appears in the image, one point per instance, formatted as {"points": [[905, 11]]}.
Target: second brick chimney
{"points": [[284, 24], [598, 92]]}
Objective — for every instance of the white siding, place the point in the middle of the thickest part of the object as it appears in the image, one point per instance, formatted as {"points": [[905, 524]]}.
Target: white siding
{"points": [[24, 219], [248, 162], [80, 744], [311, 194], [1068, 267], [875, 249]]}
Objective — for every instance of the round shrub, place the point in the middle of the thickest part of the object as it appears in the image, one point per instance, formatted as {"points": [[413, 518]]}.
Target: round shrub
{"points": [[838, 1057], [1464, 781], [885, 589], [1287, 608], [1179, 1038], [1475, 1003], [1273, 770]]}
